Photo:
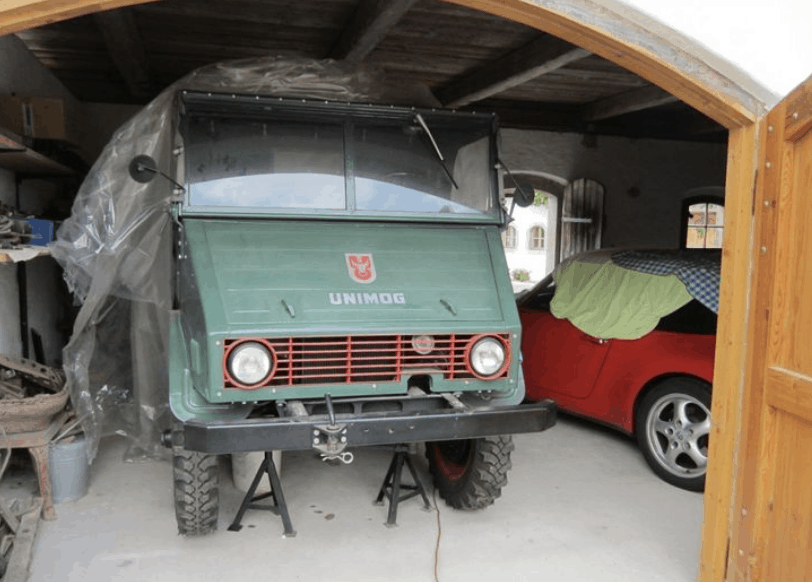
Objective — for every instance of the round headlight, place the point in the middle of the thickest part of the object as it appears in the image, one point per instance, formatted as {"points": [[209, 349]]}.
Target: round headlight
{"points": [[250, 363], [487, 356], [422, 344]]}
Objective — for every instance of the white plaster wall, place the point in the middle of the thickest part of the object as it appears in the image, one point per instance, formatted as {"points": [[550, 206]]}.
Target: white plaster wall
{"points": [[662, 171], [537, 263]]}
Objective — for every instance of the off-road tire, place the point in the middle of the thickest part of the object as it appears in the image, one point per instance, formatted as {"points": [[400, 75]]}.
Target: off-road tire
{"points": [[197, 498], [470, 474]]}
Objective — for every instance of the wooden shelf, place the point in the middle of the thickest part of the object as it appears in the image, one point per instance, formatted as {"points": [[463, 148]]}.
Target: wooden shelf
{"points": [[22, 254], [15, 156]]}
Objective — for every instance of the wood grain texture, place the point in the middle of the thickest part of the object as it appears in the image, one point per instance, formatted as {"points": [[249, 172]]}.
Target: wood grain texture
{"points": [[721, 108], [771, 534], [731, 354], [18, 15], [790, 392], [628, 102], [541, 56], [787, 528], [123, 41], [372, 21], [798, 111]]}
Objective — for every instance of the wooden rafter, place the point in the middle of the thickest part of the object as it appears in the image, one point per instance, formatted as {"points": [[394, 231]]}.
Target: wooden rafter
{"points": [[372, 20], [123, 40], [541, 56], [626, 102]]}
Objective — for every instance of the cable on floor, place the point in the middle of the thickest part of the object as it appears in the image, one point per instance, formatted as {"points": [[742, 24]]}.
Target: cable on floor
{"points": [[439, 535]]}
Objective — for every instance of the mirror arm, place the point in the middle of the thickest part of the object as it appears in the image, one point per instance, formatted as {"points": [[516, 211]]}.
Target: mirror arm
{"points": [[143, 169], [177, 184]]}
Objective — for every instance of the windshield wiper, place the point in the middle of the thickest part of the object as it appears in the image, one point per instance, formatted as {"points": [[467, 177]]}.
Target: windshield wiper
{"points": [[437, 151]]}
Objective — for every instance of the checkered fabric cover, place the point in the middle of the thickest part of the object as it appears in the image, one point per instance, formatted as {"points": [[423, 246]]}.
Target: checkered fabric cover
{"points": [[699, 270]]}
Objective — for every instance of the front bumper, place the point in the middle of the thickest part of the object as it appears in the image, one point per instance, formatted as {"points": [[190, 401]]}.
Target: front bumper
{"points": [[366, 429]]}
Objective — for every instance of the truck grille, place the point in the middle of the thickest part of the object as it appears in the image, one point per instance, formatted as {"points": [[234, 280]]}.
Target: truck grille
{"points": [[307, 361]]}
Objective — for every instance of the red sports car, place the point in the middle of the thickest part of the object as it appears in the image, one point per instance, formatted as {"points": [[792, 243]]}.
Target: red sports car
{"points": [[628, 339]]}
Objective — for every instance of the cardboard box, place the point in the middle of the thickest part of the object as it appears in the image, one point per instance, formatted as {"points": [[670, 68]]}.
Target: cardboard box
{"points": [[35, 117]]}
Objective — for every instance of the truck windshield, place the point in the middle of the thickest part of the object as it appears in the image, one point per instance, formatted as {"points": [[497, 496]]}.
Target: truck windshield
{"points": [[340, 165]]}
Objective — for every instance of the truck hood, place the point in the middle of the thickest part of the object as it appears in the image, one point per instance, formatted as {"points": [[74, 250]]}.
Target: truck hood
{"points": [[339, 274]]}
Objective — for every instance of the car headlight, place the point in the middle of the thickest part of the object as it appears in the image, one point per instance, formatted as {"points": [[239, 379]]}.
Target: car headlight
{"points": [[487, 356], [250, 363]]}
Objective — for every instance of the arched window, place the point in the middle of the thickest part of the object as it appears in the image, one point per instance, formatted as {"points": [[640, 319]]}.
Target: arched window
{"points": [[509, 238], [536, 239], [703, 222]]}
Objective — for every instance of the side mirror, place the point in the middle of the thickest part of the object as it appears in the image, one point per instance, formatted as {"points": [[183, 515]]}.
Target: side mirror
{"points": [[143, 169], [524, 194]]}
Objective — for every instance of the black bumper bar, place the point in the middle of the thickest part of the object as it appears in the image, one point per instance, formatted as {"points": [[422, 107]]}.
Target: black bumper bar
{"points": [[366, 429]]}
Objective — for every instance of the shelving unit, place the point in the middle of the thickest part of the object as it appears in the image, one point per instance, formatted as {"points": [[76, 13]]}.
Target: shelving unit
{"points": [[22, 254], [15, 156]]}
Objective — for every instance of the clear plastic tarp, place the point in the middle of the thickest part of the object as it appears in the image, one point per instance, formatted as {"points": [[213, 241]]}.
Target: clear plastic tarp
{"points": [[115, 248]]}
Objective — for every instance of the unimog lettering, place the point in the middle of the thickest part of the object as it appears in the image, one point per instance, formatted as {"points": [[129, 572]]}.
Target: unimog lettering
{"points": [[270, 350], [367, 299]]}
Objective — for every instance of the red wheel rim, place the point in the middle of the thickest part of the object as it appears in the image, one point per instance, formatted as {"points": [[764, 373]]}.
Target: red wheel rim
{"points": [[452, 459]]}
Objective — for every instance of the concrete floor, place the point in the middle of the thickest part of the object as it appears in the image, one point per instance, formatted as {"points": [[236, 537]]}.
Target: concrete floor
{"points": [[581, 504]]}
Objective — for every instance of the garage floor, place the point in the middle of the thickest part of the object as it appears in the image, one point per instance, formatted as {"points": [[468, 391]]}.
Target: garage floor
{"points": [[581, 505]]}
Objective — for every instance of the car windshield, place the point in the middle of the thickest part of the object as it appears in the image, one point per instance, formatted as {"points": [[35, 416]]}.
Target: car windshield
{"points": [[342, 165]]}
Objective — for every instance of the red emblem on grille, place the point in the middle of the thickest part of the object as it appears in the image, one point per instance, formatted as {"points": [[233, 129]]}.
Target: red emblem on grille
{"points": [[361, 267]]}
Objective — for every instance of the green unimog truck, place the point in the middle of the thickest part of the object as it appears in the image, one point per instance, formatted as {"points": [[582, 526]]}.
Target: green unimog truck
{"points": [[339, 282]]}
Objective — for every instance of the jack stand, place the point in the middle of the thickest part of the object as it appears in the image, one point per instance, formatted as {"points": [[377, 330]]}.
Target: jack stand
{"points": [[392, 485], [279, 506]]}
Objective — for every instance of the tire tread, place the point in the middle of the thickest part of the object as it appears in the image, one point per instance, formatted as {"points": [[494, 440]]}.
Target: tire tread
{"points": [[197, 495], [484, 478]]}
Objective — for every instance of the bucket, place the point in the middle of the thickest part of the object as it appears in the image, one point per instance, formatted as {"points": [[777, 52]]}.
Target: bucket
{"points": [[68, 468], [244, 467]]}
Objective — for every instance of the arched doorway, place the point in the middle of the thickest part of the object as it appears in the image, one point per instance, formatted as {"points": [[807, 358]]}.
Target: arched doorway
{"points": [[683, 73], [533, 238]]}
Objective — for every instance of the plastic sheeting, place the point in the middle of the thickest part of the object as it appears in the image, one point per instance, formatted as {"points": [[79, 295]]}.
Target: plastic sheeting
{"points": [[115, 248]]}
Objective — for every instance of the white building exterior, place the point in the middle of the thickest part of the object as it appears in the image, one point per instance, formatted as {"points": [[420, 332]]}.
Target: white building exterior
{"points": [[530, 243]]}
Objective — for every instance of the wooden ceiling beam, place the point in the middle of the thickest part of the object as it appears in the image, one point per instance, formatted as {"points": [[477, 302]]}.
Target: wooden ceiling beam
{"points": [[541, 56], [372, 21], [123, 41], [627, 102]]}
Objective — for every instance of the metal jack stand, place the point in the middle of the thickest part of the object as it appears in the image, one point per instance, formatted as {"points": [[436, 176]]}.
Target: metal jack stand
{"points": [[392, 485], [279, 506]]}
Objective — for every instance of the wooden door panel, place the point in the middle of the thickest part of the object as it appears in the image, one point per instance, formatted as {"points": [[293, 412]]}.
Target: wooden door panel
{"points": [[771, 538], [799, 278], [790, 392], [787, 546]]}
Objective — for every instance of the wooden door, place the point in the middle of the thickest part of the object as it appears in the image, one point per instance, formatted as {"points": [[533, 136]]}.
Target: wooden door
{"points": [[771, 526], [581, 217]]}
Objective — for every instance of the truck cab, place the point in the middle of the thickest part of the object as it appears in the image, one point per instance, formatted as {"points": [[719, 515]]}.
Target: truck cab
{"points": [[340, 282]]}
